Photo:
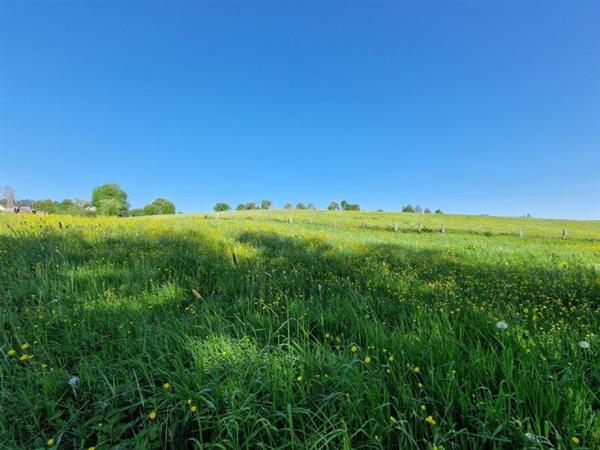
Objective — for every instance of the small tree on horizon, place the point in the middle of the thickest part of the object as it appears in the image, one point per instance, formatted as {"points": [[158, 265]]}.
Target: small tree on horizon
{"points": [[288, 205], [438, 211], [219, 207], [333, 206], [300, 206], [265, 204]]}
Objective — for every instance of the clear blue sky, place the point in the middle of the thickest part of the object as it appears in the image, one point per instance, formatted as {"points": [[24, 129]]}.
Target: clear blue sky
{"points": [[484, 107]]}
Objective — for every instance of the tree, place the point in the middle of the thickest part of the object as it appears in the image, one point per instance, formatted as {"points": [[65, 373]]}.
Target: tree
{"points": [[333, 206], [113, 192], [221, 207], [349, 206], [288, 205], [110, 207], [265, 204], [408, 208], [251, 205], [344, 205], [160, 205], [300, 206], [311, 206], [418, 209], [427, 211], [241, 207], [8, 194], [438, 211], [45, 205], [135, 212]]}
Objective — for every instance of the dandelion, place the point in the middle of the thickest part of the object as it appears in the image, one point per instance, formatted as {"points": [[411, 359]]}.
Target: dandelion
{"points": [[354, 349], [193, 408], [166, 386], [584, 345], [416, 370], [367, 360], [12, 352], [24, 357], [575, 440], [91, 448], [391, 358], [501, 325], [189, 401], [24, 346], [152, 415], [423, 408], [299, 378], [73, 380], [393, 419], [50, 442], [430, 420]]}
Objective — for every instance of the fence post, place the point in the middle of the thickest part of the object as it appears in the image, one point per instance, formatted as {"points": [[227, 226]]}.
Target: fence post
{"points": [[420, 228], [521, 232], [290, 219], [443, 229], [395, 228], [564, 233]]}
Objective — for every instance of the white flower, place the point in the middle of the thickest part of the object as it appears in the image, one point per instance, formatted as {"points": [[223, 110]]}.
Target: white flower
{"points": [[73, 380], [584, 344], [501, 325]]}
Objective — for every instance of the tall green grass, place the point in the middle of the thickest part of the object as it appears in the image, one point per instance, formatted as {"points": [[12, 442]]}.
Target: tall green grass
{"points": [[332, 332]]}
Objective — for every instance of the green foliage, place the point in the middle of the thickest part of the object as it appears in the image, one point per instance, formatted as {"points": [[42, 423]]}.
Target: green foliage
{"points": [[67, 206], [159, 206], [219, 207], [287, 206], [408, 208], [438, 211], [110, 207], [333, 206], [265, 204], [319, 334], [349, 206], [300, 205], [118, 203]]}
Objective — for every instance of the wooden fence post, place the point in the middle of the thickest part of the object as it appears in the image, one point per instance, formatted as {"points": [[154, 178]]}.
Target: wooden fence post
{"points": [[564, 233], [420, 228], [290, 219], [395, 228], [443, 229], [521, 232]]}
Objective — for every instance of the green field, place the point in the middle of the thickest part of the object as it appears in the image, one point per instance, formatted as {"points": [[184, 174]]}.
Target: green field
{"points": [[335, 331]]}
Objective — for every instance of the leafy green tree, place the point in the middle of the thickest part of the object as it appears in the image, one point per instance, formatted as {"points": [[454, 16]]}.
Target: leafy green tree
{"points": [[408, 208], [241, 207], [288, 205], [438, 211], [135, 212], [45, 205], [265, 204], [300, 206], [113, 192], [333, 206], [427, 211], [344, 205], [418, 209], [221, 207], [311, 206], [251, 205], [110, 207], [160, 205]]}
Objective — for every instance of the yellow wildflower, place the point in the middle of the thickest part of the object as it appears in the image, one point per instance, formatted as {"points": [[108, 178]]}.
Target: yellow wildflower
{"points": [[354, 349], [575, 440], [193, 408], [166, 386], [12, 352], [24, 346], [430, 420], [367, 360], [152, 415], [50, 442]]}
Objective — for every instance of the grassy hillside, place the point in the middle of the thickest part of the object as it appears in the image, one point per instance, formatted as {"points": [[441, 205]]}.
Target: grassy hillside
{"points": [[332, 331]]}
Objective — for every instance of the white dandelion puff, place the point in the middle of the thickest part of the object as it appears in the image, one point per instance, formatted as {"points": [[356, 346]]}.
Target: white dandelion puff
{"points": [[73, 380], [501, 325], [584, 344]]}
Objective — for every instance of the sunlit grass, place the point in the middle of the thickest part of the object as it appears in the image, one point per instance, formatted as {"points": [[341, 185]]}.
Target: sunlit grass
{"points": [[334, 331]]}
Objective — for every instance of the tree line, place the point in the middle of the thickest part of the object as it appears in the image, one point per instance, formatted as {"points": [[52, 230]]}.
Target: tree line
{"points": [[333, 206], [107, 200]]}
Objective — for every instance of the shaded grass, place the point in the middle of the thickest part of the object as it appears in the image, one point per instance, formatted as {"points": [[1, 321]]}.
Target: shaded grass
{"points": [[267, 357]]}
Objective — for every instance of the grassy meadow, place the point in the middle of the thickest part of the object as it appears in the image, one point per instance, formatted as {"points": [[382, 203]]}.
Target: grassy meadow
{"points": [[299, 330]]}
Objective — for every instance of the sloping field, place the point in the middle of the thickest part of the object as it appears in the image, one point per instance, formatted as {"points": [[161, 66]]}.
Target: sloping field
{"points": [[334, 331]]}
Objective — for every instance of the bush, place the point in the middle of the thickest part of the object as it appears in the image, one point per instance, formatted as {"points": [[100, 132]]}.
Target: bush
{"points": [[333, 206]]}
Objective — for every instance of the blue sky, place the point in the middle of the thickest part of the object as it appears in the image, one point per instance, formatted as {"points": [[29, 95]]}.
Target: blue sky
{"points": [[469, 107]]}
